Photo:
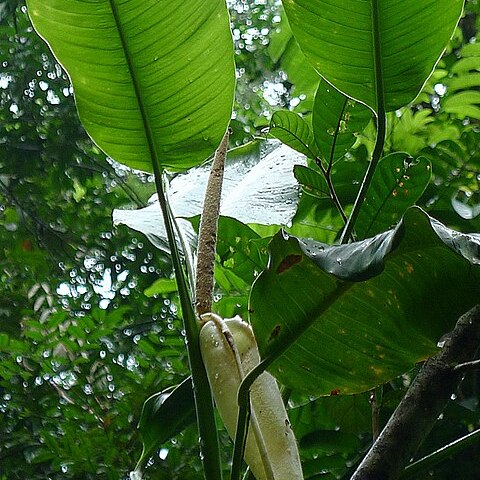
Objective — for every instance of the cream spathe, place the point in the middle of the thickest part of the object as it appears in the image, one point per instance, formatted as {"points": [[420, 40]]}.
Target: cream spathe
{"points": [[230, 352]]}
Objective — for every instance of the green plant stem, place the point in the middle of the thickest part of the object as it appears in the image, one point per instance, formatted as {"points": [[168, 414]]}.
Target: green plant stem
{"points": [[335, 137], [242, 423], [203, 398], [244, 389], [248, 475], [326, 172], [412, 470], [334, 196], [381, 127], [367, 180]]}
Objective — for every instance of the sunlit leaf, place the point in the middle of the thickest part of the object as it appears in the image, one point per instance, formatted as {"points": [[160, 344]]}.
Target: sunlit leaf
{"points": [[285, 52], [153, 80], [374, 51], [161, 286], [464, 104], [313, 181], [259, 187]]}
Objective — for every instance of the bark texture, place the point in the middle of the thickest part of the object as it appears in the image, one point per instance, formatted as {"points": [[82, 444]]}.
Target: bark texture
{"points": [[207, 236], [425, 400]]}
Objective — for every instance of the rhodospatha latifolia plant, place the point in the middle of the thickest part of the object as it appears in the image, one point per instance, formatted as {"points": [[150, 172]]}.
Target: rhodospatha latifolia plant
{"points": [[342, 283]]}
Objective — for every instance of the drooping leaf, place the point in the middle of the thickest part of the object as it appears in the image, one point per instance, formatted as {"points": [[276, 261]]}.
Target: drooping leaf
{"points": [[375, 52], [153, 79], [398, 182], [336, 121], [165, 415], [294, 131], [355, 316]]}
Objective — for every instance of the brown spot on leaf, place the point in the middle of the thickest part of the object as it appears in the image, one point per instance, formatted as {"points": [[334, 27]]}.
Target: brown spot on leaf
{"points": [[335, 392], [288, 261], [275, 332], [27, 245]]}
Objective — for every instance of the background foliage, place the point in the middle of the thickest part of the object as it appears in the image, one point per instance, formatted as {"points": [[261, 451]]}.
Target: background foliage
{"points": [[82, 347]]}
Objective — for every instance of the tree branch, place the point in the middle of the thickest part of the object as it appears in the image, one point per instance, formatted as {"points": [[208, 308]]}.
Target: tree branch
{"points": [[426, 398]]}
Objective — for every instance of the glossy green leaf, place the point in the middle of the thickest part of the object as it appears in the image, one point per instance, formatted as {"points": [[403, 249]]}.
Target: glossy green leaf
{"points": [[398, 182], [376, 52], [165, 415], [294, 131], [350, 317], [241, 253], [336, 122], [312, 181], [153, 79]]}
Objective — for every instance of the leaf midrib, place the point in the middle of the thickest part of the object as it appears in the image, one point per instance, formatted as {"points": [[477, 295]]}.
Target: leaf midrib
{"points": [[377, 59], [154, 158]]}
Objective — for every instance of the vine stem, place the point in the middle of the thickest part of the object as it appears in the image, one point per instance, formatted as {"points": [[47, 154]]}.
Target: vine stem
{"points": [[367, 180], [431, 460], [203, 397], [331, 188], [381, 124]]}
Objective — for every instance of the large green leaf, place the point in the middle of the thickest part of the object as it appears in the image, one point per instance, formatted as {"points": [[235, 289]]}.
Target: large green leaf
{"points": [[153, 79], [398, 182], [350, 317], [376, 52]]}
